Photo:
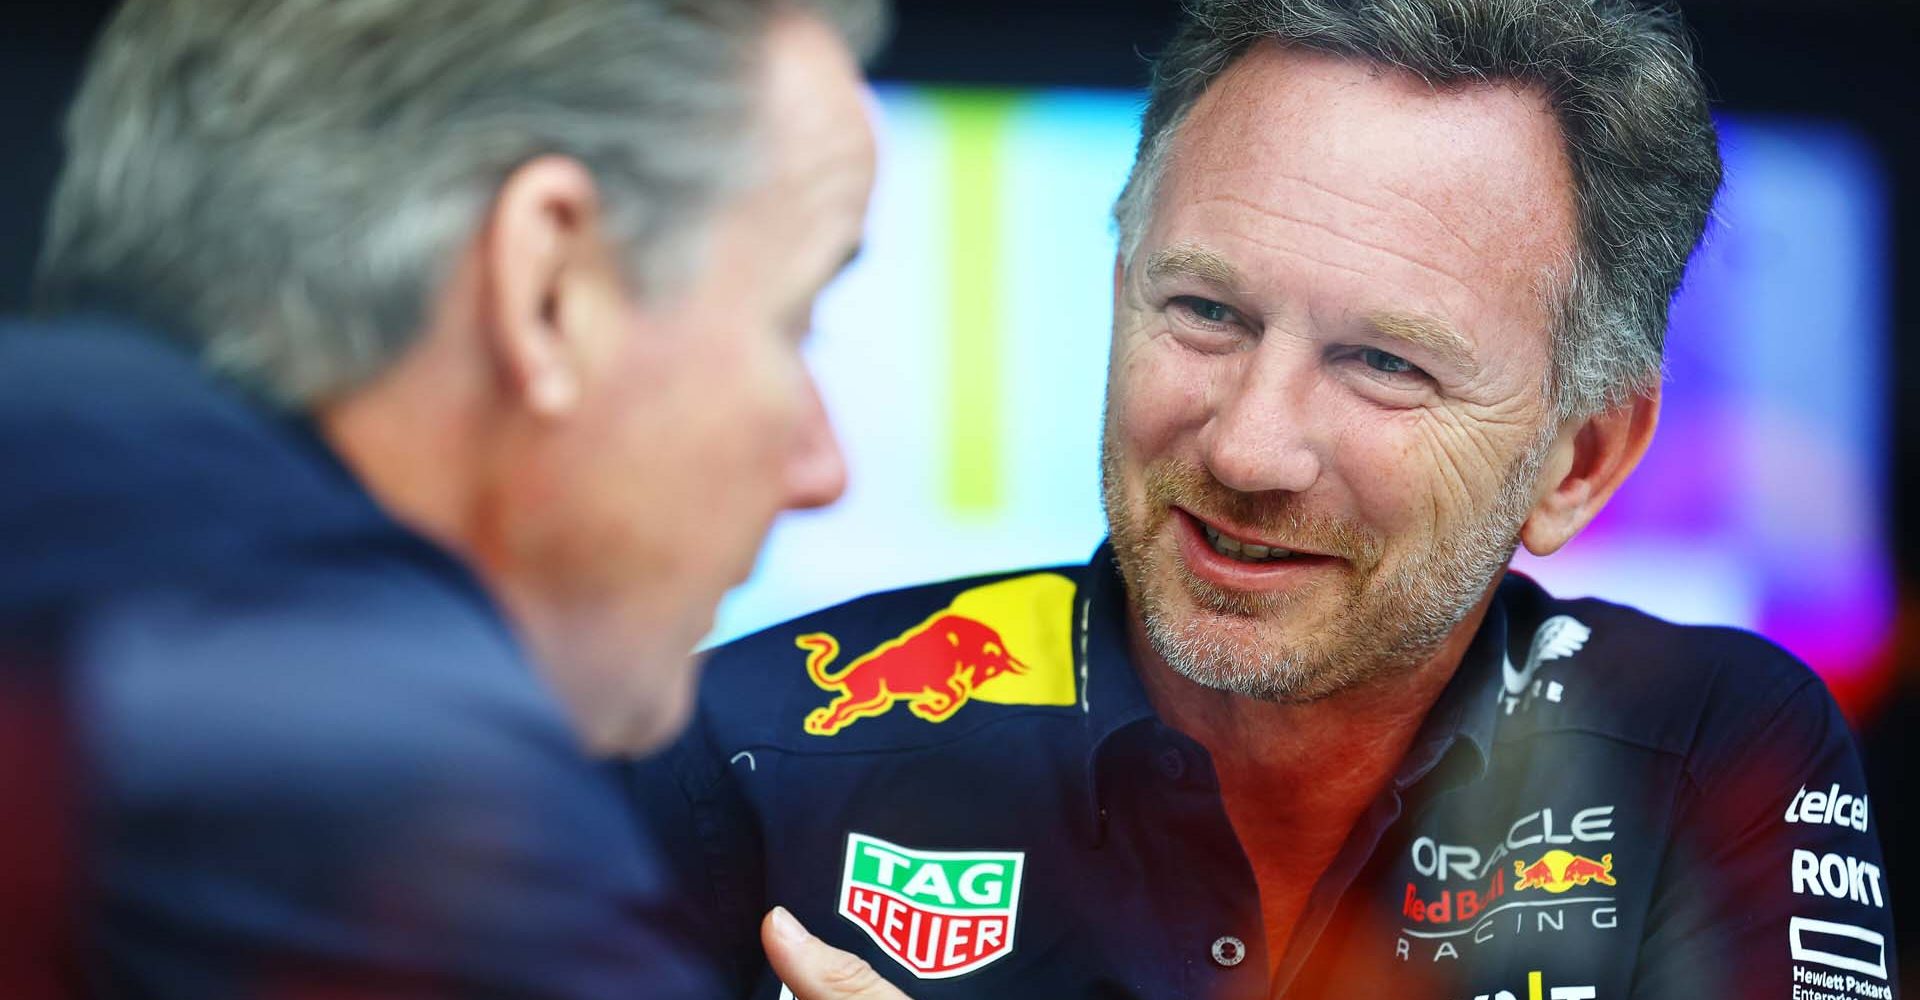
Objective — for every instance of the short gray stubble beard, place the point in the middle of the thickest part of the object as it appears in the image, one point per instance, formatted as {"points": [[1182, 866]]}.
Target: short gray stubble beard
{"points": [[1429, 597]]}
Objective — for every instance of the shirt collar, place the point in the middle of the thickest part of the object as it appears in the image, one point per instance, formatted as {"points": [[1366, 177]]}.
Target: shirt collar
{"points": [[1112, 698], [1468, 707]]}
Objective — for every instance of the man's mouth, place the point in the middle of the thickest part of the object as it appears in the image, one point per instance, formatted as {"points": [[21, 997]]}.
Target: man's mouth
{"points": [[1241, 549], [1236, 559], [1234, 548]]}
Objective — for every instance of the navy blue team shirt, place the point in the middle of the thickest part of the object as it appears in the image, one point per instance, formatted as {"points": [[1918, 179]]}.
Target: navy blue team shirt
{"points": [[313, 761], [965, 784]]}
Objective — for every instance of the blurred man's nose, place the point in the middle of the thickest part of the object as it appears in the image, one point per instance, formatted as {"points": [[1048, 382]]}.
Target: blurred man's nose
{"points": [[816, 468], [1261, 435]]}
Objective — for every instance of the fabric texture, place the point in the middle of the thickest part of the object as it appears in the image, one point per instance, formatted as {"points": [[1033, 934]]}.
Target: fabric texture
{"points": [[312, 760], [1600, 804]]}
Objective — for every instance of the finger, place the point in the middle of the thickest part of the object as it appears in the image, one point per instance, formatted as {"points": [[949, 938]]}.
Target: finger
{"points": [[816, 970]]}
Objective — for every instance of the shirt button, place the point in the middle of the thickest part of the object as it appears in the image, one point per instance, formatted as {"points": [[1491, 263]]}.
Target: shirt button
{"points": [[1229, 951], [1171, 763]]}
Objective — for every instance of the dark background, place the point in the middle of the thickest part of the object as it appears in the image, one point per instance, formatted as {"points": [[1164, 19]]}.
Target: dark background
{"points": [[1848, 60]]}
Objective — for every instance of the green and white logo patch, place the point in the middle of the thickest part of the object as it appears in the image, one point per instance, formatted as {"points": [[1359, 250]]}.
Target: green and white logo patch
{"points": [[939, 913]]}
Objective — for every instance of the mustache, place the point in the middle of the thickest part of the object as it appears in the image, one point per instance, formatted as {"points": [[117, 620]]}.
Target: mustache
{"points": [[1276, 515]]}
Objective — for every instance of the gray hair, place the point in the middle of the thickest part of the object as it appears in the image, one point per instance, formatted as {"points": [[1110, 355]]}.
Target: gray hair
{"points": [[284, 183], [1633, 114]]}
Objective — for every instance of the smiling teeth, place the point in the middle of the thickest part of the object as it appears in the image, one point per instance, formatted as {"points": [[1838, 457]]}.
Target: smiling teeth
{"points": [[1244, 551]]}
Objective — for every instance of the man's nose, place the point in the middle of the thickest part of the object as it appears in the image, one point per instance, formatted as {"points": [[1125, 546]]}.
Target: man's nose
{"points": [[1263, 434], [816, 468]]}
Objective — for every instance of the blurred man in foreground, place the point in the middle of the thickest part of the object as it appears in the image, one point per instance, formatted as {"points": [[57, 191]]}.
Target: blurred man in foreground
{"points": [[399, 335], [1390, 300]]}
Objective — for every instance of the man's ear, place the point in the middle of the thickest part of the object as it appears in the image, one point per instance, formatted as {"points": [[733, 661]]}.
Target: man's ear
{"points": [[540, 237], [1587, 462]]}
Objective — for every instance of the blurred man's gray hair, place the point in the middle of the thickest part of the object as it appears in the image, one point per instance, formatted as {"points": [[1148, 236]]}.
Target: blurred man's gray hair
{"points": [[1632, 109], [285, 183]]}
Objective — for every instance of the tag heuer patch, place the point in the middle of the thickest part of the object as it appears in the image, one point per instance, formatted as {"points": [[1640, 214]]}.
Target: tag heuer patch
{"points": [[939, 913]]}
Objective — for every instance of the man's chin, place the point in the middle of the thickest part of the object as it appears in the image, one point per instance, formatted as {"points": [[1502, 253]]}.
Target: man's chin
{"points": [[1260, 614], [1276, 680], [661, 725], [1235, 673], [657, 714], [1279, 655]]}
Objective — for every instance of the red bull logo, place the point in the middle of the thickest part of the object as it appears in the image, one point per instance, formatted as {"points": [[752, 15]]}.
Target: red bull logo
{"points": [[1558, 871], [933, 668], [954, 657]]}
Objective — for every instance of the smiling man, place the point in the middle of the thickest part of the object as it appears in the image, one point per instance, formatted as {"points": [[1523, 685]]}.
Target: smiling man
{"points": [[1389, 302]]}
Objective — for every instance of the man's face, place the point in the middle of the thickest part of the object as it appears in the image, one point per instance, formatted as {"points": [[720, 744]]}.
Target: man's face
{"points": [[1327, 395], [701, 421]]}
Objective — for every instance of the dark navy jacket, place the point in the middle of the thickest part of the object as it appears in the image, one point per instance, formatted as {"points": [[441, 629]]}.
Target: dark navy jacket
{"points": [[965, 784], [316, 763]]}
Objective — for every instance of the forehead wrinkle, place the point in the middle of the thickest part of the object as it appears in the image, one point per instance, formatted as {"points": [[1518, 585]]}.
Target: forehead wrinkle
{"points": [[1388, 188], [1282, 248], [1449, 228], [1428, 332], [1275, 213], [1190, 259]]}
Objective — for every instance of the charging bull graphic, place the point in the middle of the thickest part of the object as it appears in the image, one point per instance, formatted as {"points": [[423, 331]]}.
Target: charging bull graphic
{"points": [[1558, 871], [934, 668], [955, 656]]}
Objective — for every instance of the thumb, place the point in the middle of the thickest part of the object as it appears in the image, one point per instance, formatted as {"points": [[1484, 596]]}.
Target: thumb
{"points": [[815, 970]]}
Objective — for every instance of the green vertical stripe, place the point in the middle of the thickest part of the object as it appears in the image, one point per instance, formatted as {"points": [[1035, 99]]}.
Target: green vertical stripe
{"points": [[976, 125]]}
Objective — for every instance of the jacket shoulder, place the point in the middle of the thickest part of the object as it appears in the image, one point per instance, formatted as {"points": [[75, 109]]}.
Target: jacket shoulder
{"points": [[369, 680], [357, 769], [903, 667]]}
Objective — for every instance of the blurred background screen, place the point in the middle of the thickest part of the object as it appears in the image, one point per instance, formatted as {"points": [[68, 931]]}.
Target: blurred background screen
{"points": [[964, 362]]}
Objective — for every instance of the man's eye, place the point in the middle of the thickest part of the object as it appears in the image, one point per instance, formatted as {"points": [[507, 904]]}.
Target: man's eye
{"points": [[1206, 310], [1391, 364]]}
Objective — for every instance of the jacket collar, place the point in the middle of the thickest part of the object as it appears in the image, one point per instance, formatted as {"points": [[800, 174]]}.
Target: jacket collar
{"points": [[131, 467]]}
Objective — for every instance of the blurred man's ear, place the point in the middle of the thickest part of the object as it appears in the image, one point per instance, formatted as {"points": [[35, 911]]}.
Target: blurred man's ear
{"points": [[542, 260], [1588, 461]]}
